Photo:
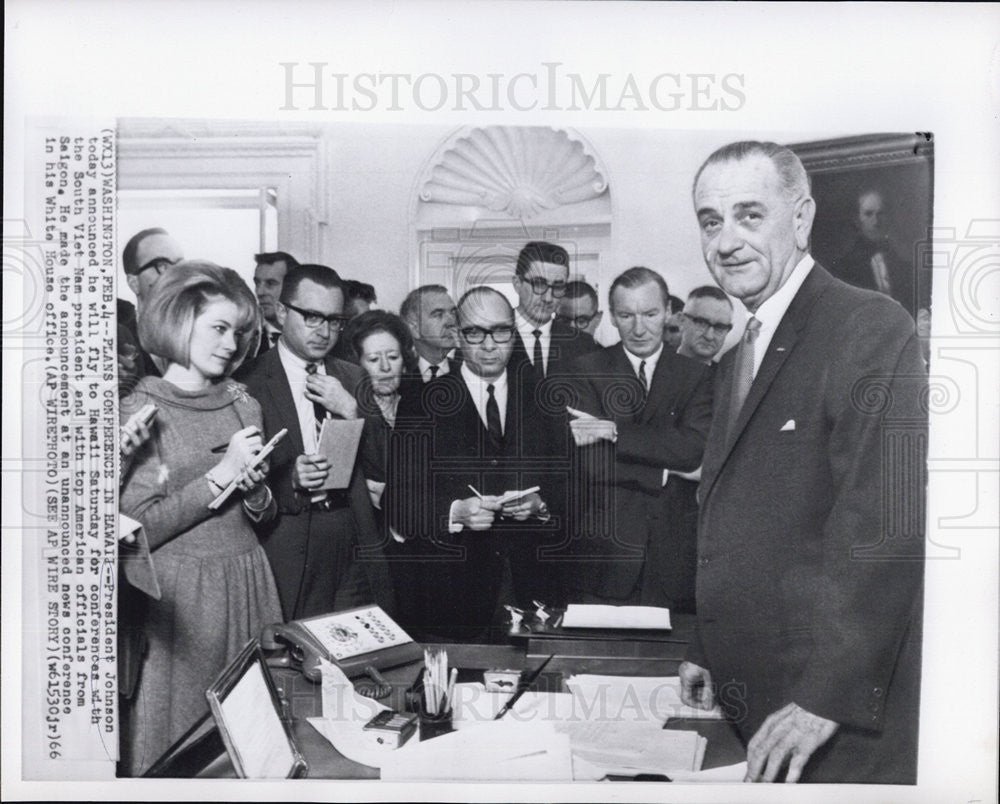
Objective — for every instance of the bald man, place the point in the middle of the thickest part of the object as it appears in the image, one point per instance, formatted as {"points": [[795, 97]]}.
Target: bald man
{"points": [[476, 442]]}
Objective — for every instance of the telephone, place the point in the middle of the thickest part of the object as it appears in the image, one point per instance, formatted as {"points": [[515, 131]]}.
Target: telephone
{"points": [[354, 639]]}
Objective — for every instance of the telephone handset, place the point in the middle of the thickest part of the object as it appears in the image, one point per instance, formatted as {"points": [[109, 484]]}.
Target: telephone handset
{"points": [[354, 639]]}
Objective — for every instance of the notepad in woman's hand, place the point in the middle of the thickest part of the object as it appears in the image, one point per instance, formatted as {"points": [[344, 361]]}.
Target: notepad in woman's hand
{"points": [[596, 616], [338, 443]]}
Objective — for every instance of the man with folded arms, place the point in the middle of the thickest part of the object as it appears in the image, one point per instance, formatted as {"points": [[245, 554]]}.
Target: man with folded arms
{"points": [[640, 413]]}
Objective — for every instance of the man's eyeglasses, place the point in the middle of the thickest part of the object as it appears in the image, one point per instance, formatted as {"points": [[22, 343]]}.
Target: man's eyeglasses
{"points": [[577, 321], [539, 286], [478, 334], [314, 320], [704, 324], [160, 264]]}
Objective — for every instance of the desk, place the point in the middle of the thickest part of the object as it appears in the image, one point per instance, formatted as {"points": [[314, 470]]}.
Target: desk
{"points": [[595, 654]]}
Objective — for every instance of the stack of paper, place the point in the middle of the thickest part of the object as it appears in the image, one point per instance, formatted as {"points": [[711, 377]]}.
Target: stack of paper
{"points": [[344, 715], [647, 699], [594, 616], [628, 748], [500, 750]]}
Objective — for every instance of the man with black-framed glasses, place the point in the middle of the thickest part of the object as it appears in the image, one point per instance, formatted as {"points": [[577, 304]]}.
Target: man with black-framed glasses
{"points": [[541, 345], [578, 308], [470, 439], [314, 542], [706, 321]]}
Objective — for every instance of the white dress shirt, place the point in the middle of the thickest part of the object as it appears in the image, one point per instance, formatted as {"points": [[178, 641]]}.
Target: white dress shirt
{"points": [[651, 362], [527, 329], [295, 370], [772, 310], [480, 394], [425, 368]]}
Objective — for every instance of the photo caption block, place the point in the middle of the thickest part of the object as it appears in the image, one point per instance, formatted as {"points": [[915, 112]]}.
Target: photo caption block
{"points": [[70, 404]]}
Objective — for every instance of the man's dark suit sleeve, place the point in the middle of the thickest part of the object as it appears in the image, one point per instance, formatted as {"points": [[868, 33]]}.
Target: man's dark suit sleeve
{"points": [[680, 444], [867, 575]]}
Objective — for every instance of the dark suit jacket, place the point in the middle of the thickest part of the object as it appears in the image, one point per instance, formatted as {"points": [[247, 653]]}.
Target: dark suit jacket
{"points": [[438, 448], [566, 345], [810, 540], [375, 444], [127, 317], [267, 382], [618, 484]]}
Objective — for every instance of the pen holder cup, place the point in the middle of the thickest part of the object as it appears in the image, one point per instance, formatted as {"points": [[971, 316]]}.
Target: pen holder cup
{"points": [[433, 725], [429, 725]]}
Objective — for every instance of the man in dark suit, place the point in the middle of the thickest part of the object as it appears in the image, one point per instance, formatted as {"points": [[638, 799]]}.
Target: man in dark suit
{"points": [[541, 345], [706, 321], [429, 312], [640, 412], [810, 539], [324, 548], [579, 308], [471, 433], [268, 276], [145, 257]]}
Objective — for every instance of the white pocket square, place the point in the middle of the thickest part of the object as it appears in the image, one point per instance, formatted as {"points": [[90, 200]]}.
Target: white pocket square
{"points": [[787, 426]]}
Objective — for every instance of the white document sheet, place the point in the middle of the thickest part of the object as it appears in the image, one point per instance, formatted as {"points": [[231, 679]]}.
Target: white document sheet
{"points": [[651, 699], [594, 616], [498, 750]]}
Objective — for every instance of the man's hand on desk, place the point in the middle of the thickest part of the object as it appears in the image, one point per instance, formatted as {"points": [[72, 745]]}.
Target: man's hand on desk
{"points": [[521, 508], [587, 429], [475, 513], [789, 735], [696, 686]]}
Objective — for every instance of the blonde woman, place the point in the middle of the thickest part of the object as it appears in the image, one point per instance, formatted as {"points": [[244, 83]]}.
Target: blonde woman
{"points": [[217, 587]]}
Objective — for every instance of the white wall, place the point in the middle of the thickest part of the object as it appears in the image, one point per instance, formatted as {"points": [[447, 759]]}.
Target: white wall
{"points": [[372, 181], [364, 180]]}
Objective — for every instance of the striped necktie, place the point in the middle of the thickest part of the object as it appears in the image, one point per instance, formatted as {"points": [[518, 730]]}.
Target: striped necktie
{"points": [[318, 410]]}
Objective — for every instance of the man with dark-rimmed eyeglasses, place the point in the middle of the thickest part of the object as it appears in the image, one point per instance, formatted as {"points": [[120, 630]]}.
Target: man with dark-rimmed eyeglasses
{"points": [[706, 321], [314, 542], [541, 345], [578, 308], [457, 449]]}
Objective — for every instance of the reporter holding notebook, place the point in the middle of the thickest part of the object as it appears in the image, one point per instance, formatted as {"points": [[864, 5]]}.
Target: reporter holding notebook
{"points": [[324, 546], [217, 586]]}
